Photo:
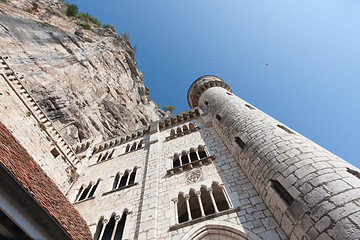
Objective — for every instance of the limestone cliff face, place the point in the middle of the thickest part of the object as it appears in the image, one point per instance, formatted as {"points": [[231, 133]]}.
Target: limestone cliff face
{"points": [[85, 80]]}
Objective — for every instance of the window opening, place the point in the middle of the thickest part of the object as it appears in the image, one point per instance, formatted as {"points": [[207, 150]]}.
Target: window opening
{"points": [[206, 201], [239, 142], [193, 156], [93, 189], [194, 205], [85, 192], [249, 106], [353, 172], [285, 129], [202, 154], [54, 152], [282, 193], [176, 162], [184, 159], [182, 210], [220, 199], [109, 229], [124, 179], [132, 177], [120, 227], [218, 117]]}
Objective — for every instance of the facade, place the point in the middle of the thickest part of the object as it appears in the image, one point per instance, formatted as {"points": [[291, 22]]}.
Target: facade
{"points": [[221, 170]]}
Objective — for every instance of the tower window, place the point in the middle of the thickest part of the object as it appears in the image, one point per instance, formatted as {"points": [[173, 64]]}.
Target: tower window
{"points": [[218, 117], [353, 172], [249, 106], [240, 142], [285, 129], [206, 103], [282, 193]]}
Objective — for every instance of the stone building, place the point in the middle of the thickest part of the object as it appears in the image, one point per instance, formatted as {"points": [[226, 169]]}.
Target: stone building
{"points": [[221, 170]]}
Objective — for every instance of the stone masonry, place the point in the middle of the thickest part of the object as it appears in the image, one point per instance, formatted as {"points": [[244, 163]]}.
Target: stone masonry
{"points": [[280, 185], [221, 170]]}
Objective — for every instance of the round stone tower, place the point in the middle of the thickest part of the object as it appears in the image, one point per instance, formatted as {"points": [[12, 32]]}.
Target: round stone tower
{"points": [[312, 193]]}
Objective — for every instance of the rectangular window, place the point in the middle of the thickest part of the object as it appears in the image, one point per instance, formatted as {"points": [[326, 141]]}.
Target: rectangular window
{"points": [[281, 191], [240, 142]]}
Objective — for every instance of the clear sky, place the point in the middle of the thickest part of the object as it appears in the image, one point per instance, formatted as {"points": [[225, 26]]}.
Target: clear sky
{"points": [[298, 61]]}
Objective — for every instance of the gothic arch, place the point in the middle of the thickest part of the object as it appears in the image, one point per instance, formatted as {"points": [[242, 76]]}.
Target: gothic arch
{"points": [[218, 229]]}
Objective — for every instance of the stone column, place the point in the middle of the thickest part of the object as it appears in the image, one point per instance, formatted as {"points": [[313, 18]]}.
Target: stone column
{"points": [[213, 199], [198, 194], [117, 219], [104, 223], [175, 201], [187, 197]]}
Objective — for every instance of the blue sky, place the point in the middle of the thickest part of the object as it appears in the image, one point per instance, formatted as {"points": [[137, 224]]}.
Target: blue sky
{"points": [[312, 49]]}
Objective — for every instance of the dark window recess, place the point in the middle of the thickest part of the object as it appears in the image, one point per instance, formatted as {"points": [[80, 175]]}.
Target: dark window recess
{"points": [[184, 159], [123, 180], [177, 163], [93, 190], [193, 156], [83, 195], [249, 106], [239, 142], [285, 129], [281, 191], [202, 154], [132, 177], [218, 117], [55, 152], [353, 172], [228, 93], [206, 103]]}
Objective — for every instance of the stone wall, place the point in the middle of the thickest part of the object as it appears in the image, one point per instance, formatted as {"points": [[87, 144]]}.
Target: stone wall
{"points": [[312, 193], [27, 130], [150, 202]]}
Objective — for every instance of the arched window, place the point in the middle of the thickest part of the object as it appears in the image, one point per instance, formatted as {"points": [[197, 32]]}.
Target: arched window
{"points": [[106, 156], [172, 132], [132, 176], [185, 128], [112, 229], [194, 205], [139, 145], [88, 192], [182, 211], [133, 147], [202, 152], [184, 159], [178, 130], [220, 199], [176, 161], [126, 179], [189, 160], [127, 148], [116, 181], [206, 201], [123, 179], [193, 155], [198, 204]]}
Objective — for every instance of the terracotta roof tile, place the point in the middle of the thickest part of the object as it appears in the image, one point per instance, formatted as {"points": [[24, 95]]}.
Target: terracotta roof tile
{"points": [[29, 174]]}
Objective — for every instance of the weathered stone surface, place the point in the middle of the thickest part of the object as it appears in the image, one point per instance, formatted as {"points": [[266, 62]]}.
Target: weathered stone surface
{"points": [[85, 80]]}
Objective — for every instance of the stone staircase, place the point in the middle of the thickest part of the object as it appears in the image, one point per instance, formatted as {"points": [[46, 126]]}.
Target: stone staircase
{"points": [[45, 123]]}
